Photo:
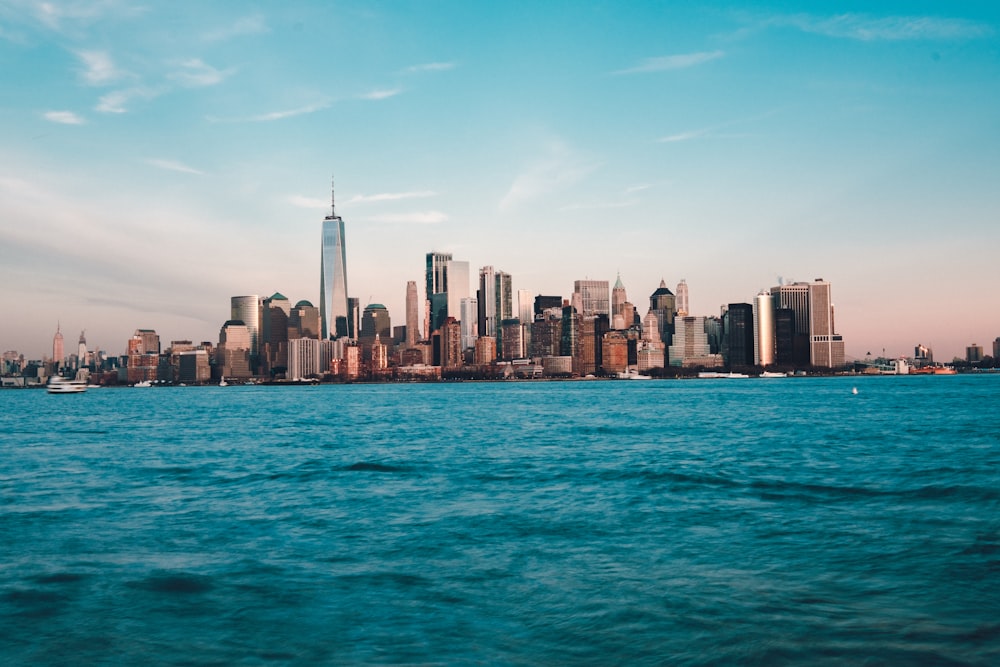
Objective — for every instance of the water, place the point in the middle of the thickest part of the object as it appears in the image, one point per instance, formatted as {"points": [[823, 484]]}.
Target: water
{"points": [[664, 522]]}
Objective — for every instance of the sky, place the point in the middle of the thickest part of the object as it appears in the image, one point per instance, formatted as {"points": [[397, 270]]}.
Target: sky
{"points": [[158, 158]]}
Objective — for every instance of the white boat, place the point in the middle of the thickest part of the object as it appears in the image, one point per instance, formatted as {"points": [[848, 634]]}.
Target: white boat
{"points": [[772, 374], [144, 383], [633, 374], [223, 383], [721, 376], [60, 385]]}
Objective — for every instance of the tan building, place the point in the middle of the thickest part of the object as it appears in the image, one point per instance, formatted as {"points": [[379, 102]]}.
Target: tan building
{"points": [[486, 350], [614, 357]]}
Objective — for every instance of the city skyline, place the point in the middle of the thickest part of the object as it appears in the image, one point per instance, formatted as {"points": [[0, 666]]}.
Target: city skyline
{"points": [[149, 177]]}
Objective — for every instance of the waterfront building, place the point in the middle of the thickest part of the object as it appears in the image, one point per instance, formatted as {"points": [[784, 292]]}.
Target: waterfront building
{"points": [[510, 339], [58, 349], [614, 353], [375, 322], [546, 332], [996, 348], [738, 328], [795, 297], [924, 356], [784, 336], [650, 350], [486, 350], [974, 353], [143, 356], [351, 366], [333, 309], [487, 299], [593, 295], [504, 307], [353, 317], [247, 309], [450, 339], [274, 334], [690, 342], [193, 366], [826, 347], [412, 314], [380, 355], [682, 299], [663, 302], [232, 355], [765, 345], [304, 321], [569, 340], [81, 351], [303, 358]]}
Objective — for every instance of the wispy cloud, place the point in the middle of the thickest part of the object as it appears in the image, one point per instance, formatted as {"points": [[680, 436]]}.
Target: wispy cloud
{"points": [[117, 100], [428, 67], [677, 61], [308, 202], [419, 218], [98, 68], [173, 165], [600, 205], [247, 25], [272, 115], [64, 117], [195, 73], [638, 187], [889, 28], [558, 169], [390, 196], [381, 94], [682, 136]]}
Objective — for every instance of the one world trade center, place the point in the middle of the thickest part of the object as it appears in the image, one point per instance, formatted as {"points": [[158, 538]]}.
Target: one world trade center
{"points": [[333, 276]]}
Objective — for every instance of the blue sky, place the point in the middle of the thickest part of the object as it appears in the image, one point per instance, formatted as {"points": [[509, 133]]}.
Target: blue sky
{"points": [[159, 158]]}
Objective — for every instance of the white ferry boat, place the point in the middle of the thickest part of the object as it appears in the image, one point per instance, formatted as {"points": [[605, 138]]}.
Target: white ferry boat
{"points": [[60, 385], [721, 376]]}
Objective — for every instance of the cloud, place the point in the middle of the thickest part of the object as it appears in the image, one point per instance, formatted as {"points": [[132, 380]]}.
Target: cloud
{"points": [[308, 202], [683, 136], [638, 187], [429, 67], [390, 196], [64, 117], [889, 28], [419, 218], [248, 25], [560, 168], [195, 73], [380, 94], [173, 165], [98, 69], [273, 115], [116, 101], [599, 205], [678, 61]]}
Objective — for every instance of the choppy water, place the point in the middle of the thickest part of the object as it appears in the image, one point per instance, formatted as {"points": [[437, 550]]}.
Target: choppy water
{"points": [[665, 522]]}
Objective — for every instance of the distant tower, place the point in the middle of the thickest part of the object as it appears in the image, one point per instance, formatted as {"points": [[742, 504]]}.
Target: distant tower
{"points": [[58, 351], [81, 351], [487, 297], [618, 298], [682, 299], [458, 287], [664, 304], [412, 314], [436, 292], [764, 332], [826, 347], [593, 296], [333, 276]]}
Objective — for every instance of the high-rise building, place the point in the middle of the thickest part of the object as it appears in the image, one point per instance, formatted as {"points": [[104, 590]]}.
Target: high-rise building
{"points": [[303, 358], [353, 316], [996, 348], [143, 356], [543, 303], [690, 343], [593, 297], [974, 353], [487, 297], [826, 347], [739, 334], [274, 333], [58, 349], [247, 309], [784, 336], [504, 307], [765, 342], [436, 280], [81, 351], [795, 297], [664, 304], [232, 355], [333, 310], [682, 299], [375, 322], [468, 318], [412, 314], [304, 321]]}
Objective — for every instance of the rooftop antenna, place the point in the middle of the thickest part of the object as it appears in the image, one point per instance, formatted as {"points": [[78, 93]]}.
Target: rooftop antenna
{"points": [[333, 199]]}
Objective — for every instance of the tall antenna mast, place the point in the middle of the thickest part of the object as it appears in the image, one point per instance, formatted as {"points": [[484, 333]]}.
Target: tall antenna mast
{"points": [[333, 200]]}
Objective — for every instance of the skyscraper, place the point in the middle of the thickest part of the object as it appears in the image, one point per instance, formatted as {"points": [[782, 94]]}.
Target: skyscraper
{"points": [[458, 287], [764, 331], [618, 299], [58, 351], [412, 314], [436, 278], [81, 351], [664, 304], [504, 308], [682, 299], [826, 347], [246, 309], [487, 295], [593, 296], [739, 334], [333, 277]]}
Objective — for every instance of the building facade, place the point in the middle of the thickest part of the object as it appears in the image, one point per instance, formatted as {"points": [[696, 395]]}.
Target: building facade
{"points": [[333, 308]]}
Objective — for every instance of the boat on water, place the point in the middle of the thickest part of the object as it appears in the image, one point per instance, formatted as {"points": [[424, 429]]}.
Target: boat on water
{"points": [[223, 383], [773, 374], [144, 383], [61, 385], [721, 376], [933, 370], [633, 374]]}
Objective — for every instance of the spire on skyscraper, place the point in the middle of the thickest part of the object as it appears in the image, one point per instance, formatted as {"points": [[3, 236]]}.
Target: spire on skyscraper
{"points": [[333, 201]]}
